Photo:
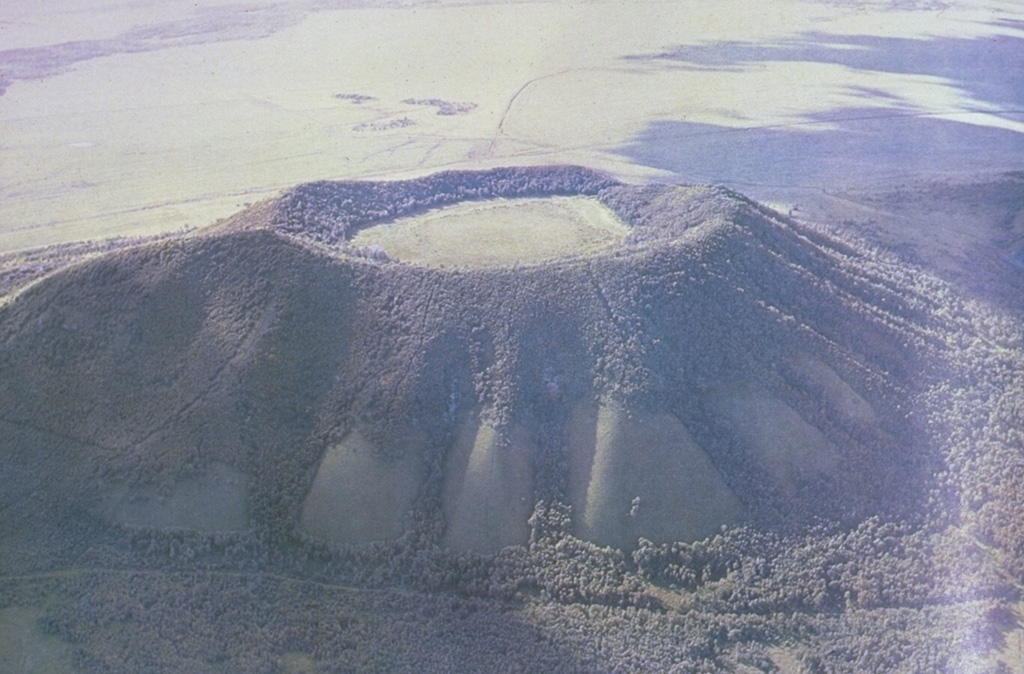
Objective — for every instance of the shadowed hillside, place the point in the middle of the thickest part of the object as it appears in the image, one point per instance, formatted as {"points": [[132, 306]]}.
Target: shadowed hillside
{"points": [[757, 419]]}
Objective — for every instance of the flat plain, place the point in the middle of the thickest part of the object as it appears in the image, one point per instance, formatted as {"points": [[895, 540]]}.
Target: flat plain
{"points": [[171, 115]]}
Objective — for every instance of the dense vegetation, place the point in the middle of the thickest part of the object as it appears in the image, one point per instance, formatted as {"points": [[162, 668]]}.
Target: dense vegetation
{"points": [[333, 211], [263, 342]]}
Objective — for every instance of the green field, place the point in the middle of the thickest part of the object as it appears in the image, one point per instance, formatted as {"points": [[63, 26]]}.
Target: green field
{"points": [[498, 233]]}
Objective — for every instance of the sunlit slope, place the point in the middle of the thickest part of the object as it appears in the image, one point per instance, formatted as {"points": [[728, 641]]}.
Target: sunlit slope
{"points": [[718, 366]]}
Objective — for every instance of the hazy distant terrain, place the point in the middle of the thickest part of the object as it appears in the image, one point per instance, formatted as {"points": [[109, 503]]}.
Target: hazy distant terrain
{"points": [[143, 119]]}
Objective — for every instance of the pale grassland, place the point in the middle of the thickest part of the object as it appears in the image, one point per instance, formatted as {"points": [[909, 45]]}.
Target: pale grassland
{"points": [[634, 474], [25, 649], [791, 450], [214, 500], [631, 475], [181, 133], [497, 233], [297, 663], [786, 660], [1012, 652], [359, 496], [834, 390], [488, 490]]}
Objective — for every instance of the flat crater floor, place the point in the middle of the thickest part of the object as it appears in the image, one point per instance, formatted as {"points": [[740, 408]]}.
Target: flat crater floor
{"points": [[498, 232]]}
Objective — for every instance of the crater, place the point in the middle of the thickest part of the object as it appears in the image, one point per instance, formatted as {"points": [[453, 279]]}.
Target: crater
{"points": [[498, 232]]}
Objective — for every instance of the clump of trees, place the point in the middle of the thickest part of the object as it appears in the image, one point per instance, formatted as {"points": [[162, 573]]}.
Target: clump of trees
{"points": [[355, 99], [444, 108], [385, 125]]}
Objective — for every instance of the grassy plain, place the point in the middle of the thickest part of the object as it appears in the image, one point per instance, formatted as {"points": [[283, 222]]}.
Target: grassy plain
{"points": [[26, 649], [171, 115]]}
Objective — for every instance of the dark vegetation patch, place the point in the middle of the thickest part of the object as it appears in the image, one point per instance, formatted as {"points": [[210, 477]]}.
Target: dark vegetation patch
{"points": [[444, 108]]}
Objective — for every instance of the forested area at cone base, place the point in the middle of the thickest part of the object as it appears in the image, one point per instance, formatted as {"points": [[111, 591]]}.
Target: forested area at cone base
{"points": [[562, 605], [924, 575]]}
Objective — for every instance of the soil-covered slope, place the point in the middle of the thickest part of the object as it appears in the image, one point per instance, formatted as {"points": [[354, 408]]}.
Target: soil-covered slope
{"points": [[784, 438]]}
